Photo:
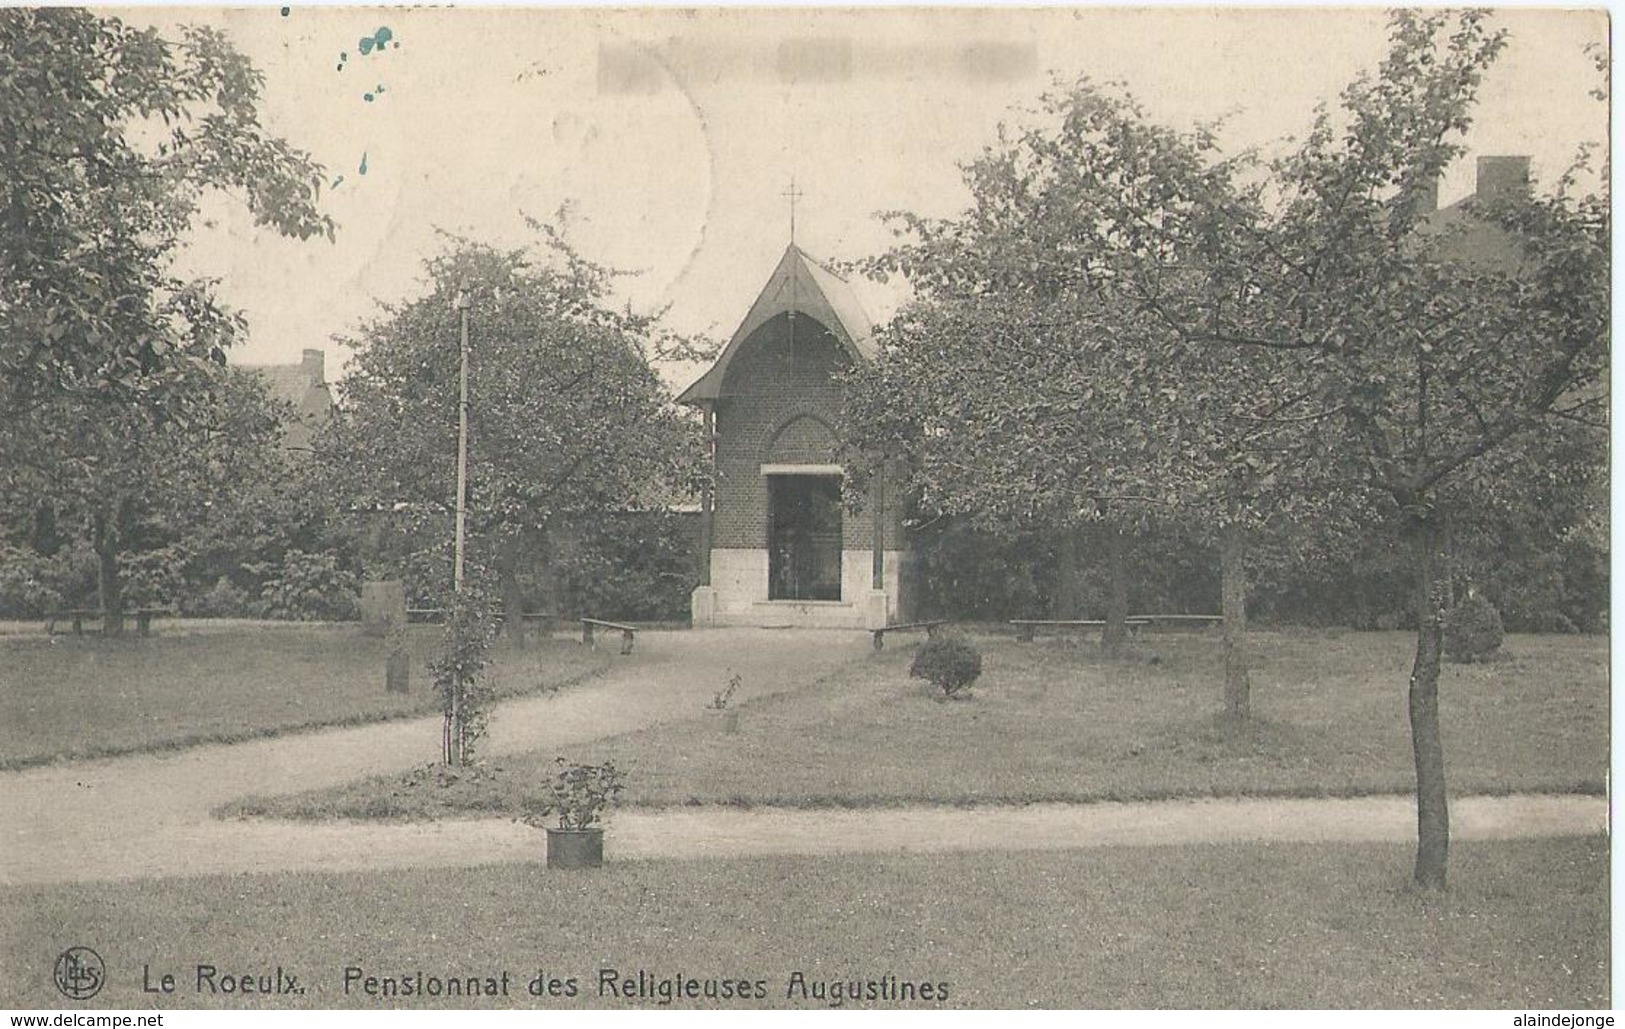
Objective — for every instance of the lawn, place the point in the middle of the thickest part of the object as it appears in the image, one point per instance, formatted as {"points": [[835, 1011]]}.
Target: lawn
{"points": [[1052, 720], [68, 696], [1524, 926]]}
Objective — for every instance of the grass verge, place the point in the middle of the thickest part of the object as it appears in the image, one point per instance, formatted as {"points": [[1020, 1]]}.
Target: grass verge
{"points": [[1524, 926], [1054, 722], [76, 697]]}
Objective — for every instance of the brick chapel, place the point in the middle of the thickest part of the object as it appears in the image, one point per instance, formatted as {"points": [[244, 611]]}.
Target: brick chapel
{"points": [[779, 546]]}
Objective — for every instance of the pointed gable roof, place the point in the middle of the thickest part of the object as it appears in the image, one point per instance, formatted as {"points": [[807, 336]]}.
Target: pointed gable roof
{"points": [[802, 284]]}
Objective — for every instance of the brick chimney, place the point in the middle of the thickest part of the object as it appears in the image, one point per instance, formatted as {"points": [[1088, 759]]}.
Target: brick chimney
{"points": [[311, 364], [1497, 175]]}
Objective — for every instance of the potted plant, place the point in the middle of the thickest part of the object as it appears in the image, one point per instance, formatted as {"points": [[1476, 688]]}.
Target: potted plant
{"points": [[578, 797], [725, 717]]}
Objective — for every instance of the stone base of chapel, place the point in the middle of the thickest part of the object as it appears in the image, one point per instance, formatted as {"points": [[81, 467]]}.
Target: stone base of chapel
{"points": [[737, 595]]}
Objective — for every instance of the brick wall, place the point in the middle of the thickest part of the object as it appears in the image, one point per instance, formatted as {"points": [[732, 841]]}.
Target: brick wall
{"points": [[778, 405], [805, 439]]}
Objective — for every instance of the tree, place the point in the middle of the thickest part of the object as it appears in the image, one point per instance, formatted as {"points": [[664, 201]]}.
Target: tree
{"points": [[989, 403], [1423, 369], [109, 361], [1041, 391], [1540, 552], [567, 420], [276, 522], [1355, 346], [139, 493]]}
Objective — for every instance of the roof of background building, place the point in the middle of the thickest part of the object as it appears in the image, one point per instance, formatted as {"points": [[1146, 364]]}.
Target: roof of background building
{"points": [[292, 382], [1463, 230], [303, 387], [285, 382]]}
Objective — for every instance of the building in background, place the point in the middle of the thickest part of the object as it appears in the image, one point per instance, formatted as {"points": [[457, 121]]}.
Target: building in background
{"points": [[303, 387]]}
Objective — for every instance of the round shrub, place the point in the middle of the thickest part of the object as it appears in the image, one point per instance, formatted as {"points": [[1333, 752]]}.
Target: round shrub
{"points": [[310, 588], [222, 600], [1472, 630], [948, 661], [30, 584]]}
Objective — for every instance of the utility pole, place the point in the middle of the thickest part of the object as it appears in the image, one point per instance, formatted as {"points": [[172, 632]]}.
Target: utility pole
{"points": [[461, 304]]}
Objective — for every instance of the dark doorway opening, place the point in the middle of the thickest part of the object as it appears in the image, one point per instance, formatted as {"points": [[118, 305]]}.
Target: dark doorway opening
{"points": [[804, 537]]}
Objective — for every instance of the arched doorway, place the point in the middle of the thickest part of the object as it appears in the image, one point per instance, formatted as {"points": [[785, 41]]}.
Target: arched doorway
{"points": [[804, 537]]}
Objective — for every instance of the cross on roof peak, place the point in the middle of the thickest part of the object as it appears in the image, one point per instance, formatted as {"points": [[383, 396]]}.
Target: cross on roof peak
{"points": [[793, 194]]}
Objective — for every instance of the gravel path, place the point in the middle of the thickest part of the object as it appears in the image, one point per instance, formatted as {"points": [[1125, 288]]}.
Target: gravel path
{"points": [[148, 815], [204, 846]]}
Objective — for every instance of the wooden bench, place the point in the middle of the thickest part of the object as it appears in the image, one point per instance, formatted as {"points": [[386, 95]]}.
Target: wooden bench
{"points": [[929, 627], [145, 615], [78, 615], [143, 618], [626, 631], [437, 615], [1182, 621], [1026, 626]]}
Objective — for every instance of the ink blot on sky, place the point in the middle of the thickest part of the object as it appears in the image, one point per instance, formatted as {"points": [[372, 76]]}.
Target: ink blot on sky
{"points": [[376, 41]]}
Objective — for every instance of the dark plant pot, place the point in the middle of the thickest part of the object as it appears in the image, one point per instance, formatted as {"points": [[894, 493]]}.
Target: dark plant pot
{"points": [[575, 848], [727, 719]]}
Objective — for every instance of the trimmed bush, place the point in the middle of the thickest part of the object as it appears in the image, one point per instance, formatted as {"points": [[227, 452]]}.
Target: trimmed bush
{"points": [[310, 588], [153, 576], [1472, 630], [631, 566], [30, 584], [948, 661], [222, 600]]}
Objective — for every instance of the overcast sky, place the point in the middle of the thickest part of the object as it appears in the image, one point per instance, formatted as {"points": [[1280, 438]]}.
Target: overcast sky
{"points": [[671, 135]]}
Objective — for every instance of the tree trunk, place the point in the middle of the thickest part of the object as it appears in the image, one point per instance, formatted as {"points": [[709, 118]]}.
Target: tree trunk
{"points": [[1449, 557], [1068, 599], [109, 585], [545, 546], [1233, 605], [1114, 636], [510, 555], [1432, 805]]}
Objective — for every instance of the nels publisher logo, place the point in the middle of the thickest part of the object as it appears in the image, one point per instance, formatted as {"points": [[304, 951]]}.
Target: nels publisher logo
{"points": [[79, 973]]}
